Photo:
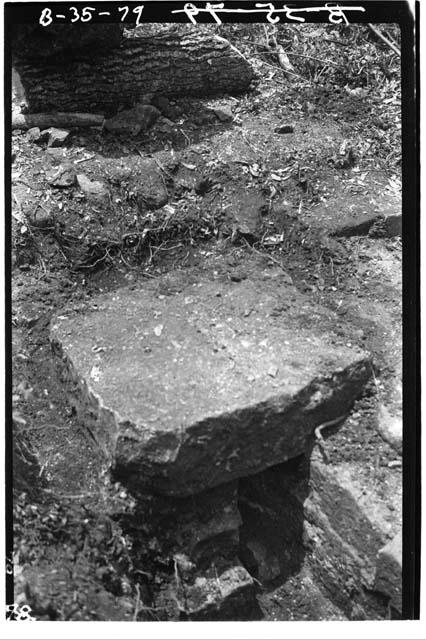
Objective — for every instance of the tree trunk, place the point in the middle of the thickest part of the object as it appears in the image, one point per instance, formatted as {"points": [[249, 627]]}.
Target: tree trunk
{"points": [[178, 61]]}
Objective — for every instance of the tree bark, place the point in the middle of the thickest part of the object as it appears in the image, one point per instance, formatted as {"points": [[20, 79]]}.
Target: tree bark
{"points": [[179, 61]]}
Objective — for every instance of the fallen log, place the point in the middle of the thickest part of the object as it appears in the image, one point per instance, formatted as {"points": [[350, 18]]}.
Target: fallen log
{"points": [[35, 41], [56, 119], [178, 61]]}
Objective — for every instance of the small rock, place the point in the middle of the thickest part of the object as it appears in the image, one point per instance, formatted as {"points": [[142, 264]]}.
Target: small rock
{"points": [[163, 104], [63, 177], [204, 117], [165, 123], [202, 186], [284, 128], [222, 596], [41, 219], [224, 114], [245, 214], [379, 122], [388, 578], [386, 227], [393, 226], [56, 137], [56, 154], [81, 141], [92, 188], [390, 428], [148, 186], [359, 226], [133, 121], [238, 274], [33, 134], [394, 463]]}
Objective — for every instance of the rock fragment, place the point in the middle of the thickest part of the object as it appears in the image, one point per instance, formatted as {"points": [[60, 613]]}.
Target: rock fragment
{"points": [[284, 128], [149, 187], [33, 134], [224, 114], [387, 226], [389, 571], [56, 137], [244, 213], [93, 189], [390, 426], [64, 176], [218, 595], [133, 121], [359, 226], [41, 219]]}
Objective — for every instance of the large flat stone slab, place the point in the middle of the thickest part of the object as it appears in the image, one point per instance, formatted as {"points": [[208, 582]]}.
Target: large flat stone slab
{"points": [[196, 384]]}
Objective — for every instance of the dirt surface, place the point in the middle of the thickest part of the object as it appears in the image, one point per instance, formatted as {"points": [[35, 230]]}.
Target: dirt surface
{"points": [[79, 552]]}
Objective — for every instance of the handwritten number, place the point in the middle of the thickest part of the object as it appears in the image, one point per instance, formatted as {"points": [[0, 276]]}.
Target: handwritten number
{"points": [[46, 17], [15, 612], [24, 613], [86, 14], [126, 11], [11, 610], [138, 12], [76, 14]]}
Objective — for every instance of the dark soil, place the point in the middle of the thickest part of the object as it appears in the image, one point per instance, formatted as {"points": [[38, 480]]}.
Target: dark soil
{"points": [[79, 552]]}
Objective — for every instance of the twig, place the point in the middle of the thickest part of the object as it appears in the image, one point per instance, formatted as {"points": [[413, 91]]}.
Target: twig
{"points": [[249, 145], [84, 159], [22, 182], [233, 47], [301, 55], [390, 38], [18, 217], [265, 255], [179, 586], [185, 136], [326, 425], [43, 266], [45, 425], [129, 266], [218, 581], [158, 163], [318, 435], [41, 207], [91, 266], [380, 35], [282, 71], [63, 254], [137, 603]]}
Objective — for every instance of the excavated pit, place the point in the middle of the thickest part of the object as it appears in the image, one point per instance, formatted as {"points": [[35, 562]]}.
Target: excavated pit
{"points": [[291, 543]]}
